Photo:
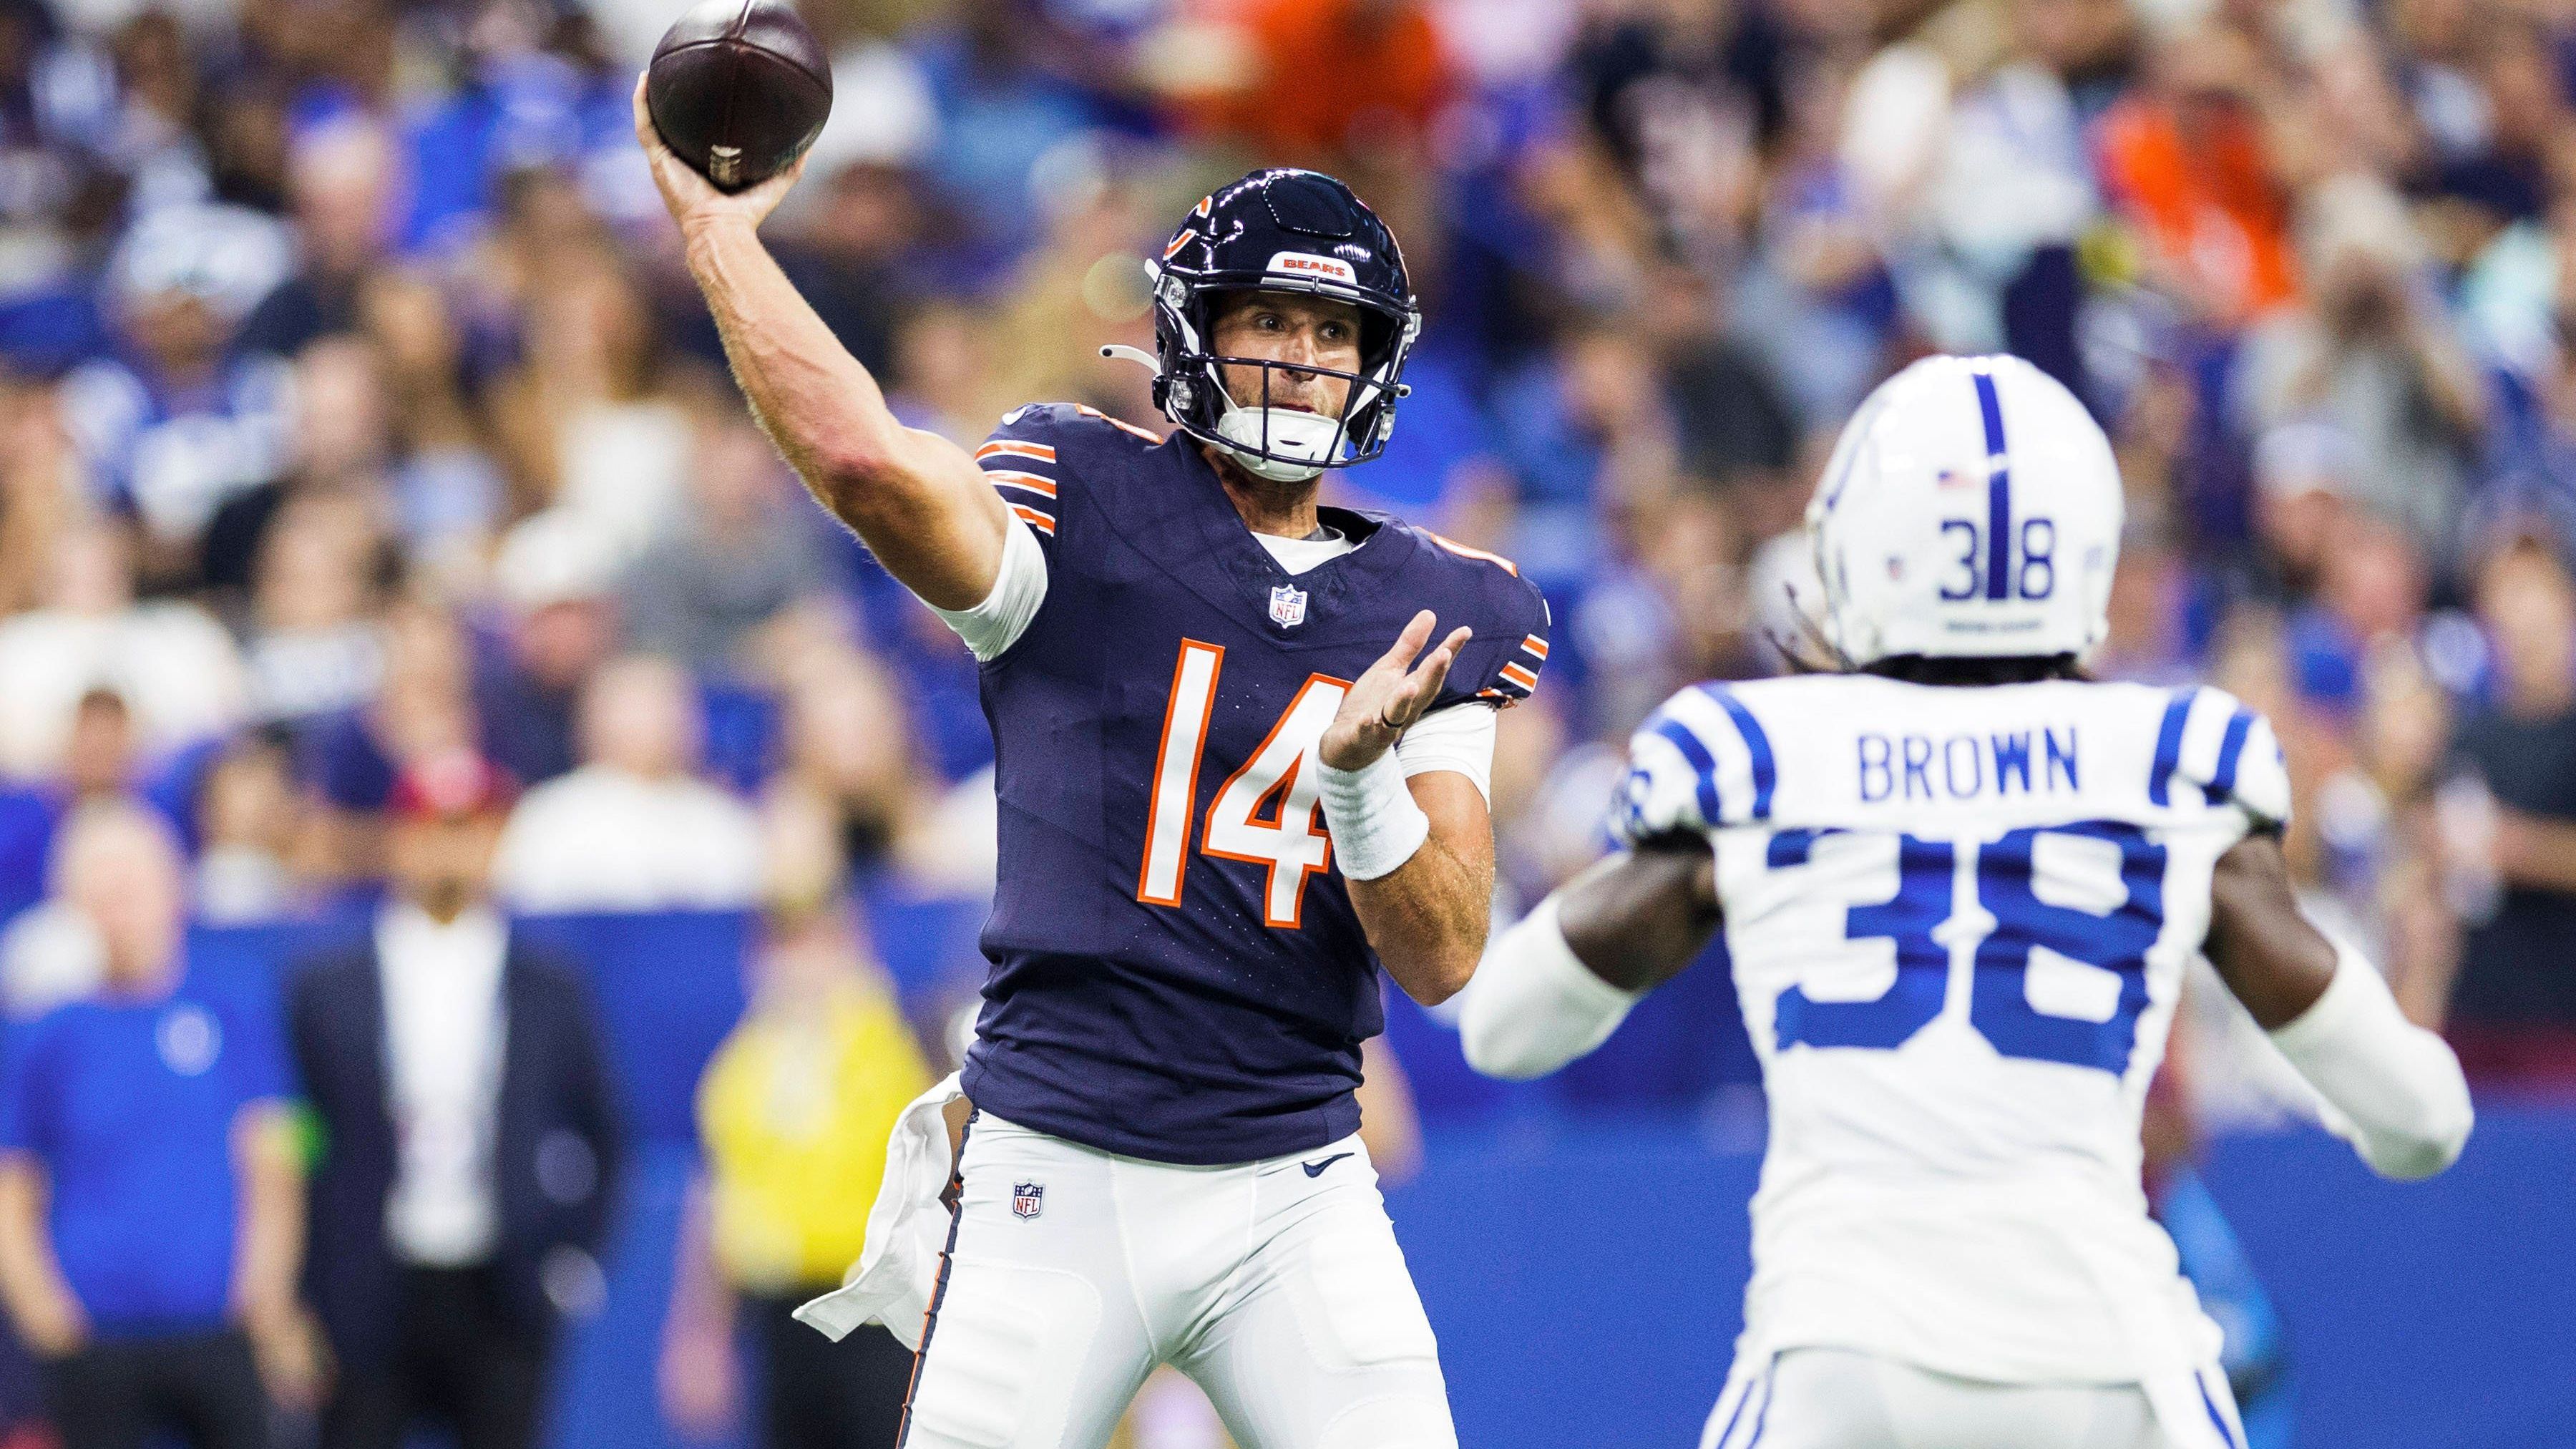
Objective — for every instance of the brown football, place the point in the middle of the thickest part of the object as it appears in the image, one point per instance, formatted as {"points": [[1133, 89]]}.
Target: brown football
{"points": [[739, 89]]}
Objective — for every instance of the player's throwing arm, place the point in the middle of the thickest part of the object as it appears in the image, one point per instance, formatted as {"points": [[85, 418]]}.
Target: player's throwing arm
{"points": [[918, 500]]}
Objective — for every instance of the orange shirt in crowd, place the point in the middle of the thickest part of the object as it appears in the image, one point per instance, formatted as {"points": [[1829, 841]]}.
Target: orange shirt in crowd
{"points": [[2206, 202], [1329, 71]]}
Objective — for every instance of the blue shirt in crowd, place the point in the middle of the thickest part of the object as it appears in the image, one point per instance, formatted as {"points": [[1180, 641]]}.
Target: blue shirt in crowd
{"points": [[129, 1108]]}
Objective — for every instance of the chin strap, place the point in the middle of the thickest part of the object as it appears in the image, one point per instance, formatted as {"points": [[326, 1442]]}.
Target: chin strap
{"points": [[1121, 352]]}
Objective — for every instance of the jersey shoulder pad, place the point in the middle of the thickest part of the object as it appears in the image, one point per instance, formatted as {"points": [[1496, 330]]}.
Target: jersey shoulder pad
{"points": [[2213, 749], [1699, 762], [1041, 448], [1485, 591]]}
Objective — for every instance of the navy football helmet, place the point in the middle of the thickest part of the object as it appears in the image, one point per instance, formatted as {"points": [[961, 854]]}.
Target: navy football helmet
{"points": [[1282, 230]]}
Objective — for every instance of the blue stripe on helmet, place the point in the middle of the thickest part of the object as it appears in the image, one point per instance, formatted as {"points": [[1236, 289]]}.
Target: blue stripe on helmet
{"points": [[1998, 491]]}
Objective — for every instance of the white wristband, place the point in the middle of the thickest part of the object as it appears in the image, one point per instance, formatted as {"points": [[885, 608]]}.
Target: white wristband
{"points": [[1371, 816]]}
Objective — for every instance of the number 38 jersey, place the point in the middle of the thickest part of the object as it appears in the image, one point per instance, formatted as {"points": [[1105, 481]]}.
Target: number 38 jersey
{"points": [[1959, 919], [1177, 971]]}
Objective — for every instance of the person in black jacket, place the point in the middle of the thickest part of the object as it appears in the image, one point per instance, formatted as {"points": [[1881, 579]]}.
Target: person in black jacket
{"points": [[470, 1143]]}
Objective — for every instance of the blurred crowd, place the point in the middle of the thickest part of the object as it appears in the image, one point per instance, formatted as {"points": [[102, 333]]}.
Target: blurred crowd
{"points": [[355, 414]]}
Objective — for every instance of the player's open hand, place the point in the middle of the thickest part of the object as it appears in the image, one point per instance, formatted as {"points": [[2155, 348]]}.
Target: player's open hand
{"points": [[693, 199], [1385, 701]]}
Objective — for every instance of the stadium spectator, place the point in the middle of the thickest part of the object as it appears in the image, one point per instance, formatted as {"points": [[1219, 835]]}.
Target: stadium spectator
{"points": [[472, 1146], [250, 821], [447, 492], [424, 706], [168, 659], [794, 1111], [556, 578], [2513, 1007], [336, 448], [2375, 353], [181, 426], [634, 828], [594, 421], [849, 759], [315, 645], [2303, 476], [151, 1215], [340, 178], [744, 551]]}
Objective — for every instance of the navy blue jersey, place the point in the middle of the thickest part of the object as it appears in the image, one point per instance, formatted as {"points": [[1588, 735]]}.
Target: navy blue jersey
{"points": [[1177, 971]]}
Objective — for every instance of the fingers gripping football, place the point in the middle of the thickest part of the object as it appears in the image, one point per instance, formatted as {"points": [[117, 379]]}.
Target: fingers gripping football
{"points": [[1393, 693], [693, 200]]}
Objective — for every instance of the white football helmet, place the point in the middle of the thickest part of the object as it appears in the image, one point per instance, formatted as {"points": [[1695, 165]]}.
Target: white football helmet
{"points": [[1972, 508]]}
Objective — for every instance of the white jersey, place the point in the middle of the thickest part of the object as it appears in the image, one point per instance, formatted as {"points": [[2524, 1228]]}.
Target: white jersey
{"points": [[1959, 919]]}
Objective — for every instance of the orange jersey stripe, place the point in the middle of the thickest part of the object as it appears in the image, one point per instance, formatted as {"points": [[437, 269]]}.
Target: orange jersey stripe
{"points": [[1039, 521], [1535, 645], [1089, 412], [1520, 676], [1012, 447], [1009, 478], [1462, 550]]}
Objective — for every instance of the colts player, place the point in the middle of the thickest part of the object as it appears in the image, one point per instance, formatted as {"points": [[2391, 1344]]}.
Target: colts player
{"points": [[1186, 661], [1959, 884]]}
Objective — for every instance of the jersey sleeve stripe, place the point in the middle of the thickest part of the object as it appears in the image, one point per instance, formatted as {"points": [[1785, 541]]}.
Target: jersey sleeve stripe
{"points": [[1516, 674], [1120, 423], [1042, 522], [1702, 763], [1007, 478], [1766, 773], [1535, 646], [1463, 551], [2169, 747], [2222, 782], [1014, 448]]}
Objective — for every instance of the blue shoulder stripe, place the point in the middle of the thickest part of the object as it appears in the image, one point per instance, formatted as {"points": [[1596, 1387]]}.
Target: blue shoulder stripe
{"points": [[2210, 1404], [2222, 784], [1766, 775], [2169, 746], [1701, 762]]}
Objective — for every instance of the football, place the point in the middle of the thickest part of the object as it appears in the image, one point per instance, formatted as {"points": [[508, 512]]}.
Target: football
{"points": [[739, 89]]}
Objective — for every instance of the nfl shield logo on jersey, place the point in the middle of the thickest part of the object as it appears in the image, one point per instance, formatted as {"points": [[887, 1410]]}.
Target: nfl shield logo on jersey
{"points": [[1028, 1199], [1287, 606]]}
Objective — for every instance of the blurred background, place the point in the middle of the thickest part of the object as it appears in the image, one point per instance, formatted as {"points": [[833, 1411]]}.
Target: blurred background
{"points": [[356, 419]]}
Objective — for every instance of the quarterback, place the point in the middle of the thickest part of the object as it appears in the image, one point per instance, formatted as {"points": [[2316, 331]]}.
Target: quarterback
{"points": [[1237, 772], [1960, 883]]}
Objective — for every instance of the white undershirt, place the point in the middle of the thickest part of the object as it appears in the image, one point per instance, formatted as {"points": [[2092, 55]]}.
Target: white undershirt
{"points": [[443, 1040], [1458, 738]]}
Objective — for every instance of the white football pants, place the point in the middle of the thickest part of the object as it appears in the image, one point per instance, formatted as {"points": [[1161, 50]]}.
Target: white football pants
{"points": [[1834, 1398], [1071, 1273]]}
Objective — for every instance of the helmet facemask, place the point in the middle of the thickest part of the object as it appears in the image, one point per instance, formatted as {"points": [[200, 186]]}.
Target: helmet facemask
{"points": [[1269, 439]]}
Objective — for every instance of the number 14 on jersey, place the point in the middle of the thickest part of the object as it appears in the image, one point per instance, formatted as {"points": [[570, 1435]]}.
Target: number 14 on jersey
{"points": [[1279, 778]]}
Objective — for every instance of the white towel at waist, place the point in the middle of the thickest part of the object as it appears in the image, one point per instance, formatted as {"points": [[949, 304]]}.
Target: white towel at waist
{"points": [[898, 1265]]}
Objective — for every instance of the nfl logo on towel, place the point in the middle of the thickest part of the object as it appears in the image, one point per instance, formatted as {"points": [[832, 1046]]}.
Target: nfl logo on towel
{"points": [[1028, 1198], [1287, 606]]}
